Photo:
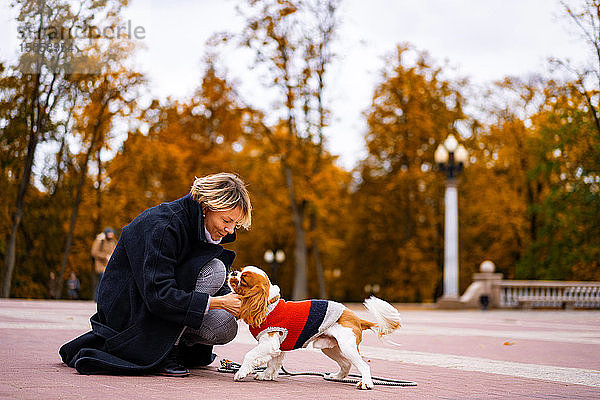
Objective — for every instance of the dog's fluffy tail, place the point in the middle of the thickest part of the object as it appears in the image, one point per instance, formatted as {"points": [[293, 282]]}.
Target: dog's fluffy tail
{"points": [[387, 317]]}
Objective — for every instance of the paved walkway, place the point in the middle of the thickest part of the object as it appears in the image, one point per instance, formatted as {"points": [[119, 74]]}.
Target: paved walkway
{"points": [[450, 354]]}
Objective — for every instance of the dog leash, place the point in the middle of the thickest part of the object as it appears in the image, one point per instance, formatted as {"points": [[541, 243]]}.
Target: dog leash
{"points": [[229, 366]]}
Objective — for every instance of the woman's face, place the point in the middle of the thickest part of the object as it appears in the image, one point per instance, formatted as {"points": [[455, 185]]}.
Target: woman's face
{"points": [[221, 223]]}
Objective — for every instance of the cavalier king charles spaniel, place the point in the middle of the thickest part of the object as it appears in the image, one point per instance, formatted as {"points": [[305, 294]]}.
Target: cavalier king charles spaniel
{"points": [[281, 325]]}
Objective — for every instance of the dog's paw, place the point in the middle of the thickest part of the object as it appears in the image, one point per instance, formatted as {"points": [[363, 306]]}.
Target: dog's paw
{"points": [[240, 375], [335, 375], [264, 376], [364, 385]]}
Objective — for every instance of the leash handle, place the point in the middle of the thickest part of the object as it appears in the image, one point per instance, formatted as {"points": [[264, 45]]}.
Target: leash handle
{"points": [[229, 365]]}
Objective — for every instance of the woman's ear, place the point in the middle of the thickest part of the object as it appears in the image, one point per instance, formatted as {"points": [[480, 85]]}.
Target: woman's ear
{"points": [[254, 305]]}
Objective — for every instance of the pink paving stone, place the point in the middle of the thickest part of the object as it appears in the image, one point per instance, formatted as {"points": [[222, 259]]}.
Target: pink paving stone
{"points": [[31, 368], [517, 350]]}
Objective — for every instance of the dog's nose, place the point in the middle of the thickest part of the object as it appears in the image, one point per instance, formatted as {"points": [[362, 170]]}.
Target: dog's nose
{"points": [[234, 273]]}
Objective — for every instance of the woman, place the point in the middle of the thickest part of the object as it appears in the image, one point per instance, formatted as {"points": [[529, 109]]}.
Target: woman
{"points": [[163, 301]]}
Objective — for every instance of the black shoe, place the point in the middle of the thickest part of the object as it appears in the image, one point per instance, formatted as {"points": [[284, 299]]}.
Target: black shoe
{"points": [[198, 355], [172, 365]]}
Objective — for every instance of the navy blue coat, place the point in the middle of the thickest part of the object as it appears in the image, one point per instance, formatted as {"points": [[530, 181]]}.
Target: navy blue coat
{"points": [[147, 295]]}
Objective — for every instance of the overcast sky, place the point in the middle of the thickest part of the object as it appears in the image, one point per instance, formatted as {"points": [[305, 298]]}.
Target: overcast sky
{"points": [[483, 40]]}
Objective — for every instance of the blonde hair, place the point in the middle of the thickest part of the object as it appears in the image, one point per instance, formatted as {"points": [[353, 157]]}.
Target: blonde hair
{"points": [[223, 192]]}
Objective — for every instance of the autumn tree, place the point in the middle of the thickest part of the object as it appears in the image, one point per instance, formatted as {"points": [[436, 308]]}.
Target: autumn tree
{"points": [[182, 139], [395, 240], [110, 95], [292, 39], [49, 57], [214, 131], [35, 252], [500, 196]]}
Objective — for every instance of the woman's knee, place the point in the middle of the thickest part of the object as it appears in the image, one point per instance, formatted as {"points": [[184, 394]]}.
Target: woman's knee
{"points": [[212, 277], [227, 331], [219, 327]]}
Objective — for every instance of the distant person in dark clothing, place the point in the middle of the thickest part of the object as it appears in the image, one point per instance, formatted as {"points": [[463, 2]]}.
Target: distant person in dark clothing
{"points": [[73, 287], [163, 301]]}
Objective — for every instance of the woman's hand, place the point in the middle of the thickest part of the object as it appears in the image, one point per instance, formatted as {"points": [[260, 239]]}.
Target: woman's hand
{"points": [[231, 303]]}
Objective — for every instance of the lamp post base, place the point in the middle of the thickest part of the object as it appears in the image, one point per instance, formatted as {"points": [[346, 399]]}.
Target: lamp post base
{"points": [[450, 303]]}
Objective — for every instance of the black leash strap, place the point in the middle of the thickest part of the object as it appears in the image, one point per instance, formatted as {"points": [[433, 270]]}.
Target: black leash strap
{"points": [[229, 366]]}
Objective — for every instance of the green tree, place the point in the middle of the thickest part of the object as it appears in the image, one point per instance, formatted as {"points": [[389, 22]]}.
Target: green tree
{"points": [[568, 124], [568, 245]]}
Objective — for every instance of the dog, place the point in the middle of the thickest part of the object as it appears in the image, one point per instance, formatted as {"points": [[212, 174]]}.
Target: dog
{"points": [[281, 326]]}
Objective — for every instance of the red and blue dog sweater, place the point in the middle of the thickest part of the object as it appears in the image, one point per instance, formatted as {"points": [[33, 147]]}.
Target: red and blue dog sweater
{"points": [[299, 321]]}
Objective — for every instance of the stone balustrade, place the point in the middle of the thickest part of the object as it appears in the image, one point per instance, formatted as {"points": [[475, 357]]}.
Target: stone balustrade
{"points": [[489, 289], [528, 294]]}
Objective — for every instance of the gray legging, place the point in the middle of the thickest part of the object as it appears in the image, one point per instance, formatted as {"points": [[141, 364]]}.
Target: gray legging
{"points": [[218, 326]]}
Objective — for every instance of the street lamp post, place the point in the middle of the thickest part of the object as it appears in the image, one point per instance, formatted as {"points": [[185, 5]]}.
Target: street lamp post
{"points": [[274, 258], [451, 156]]}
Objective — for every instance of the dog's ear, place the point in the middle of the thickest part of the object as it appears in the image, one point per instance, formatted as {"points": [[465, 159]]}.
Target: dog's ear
{"points": [[254, 305]]}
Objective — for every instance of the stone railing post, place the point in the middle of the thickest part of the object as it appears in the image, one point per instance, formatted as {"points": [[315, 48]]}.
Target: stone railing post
{"points": [[484, 284], [488, 277]]}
